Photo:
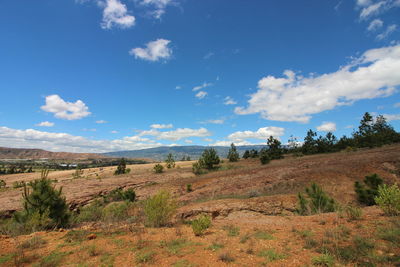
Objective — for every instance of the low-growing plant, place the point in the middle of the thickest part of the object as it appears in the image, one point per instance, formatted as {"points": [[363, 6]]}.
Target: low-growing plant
{"points": [[175, 246], [158, 168], [265, 157], [33, 243], [232, 230], [353, 213], [226, 257], [3, 184], [263, 235], [159, 209], [90, 213], [325, 260], [271, 255], [115, 211], [388, 199], [201, 224], [189, 188], [118, 194], [317, 202], [76, 236], [215, 246], [144, 256], [18, 184], [367, 191]]}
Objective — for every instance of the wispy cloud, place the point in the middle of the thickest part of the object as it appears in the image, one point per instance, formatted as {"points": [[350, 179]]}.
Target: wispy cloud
{"points": [[229, 101], [389, 30], [45, 124], [202, 86], [201, 95]]}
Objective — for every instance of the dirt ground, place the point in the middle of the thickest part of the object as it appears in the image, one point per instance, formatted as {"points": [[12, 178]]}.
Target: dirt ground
{"points": [[252, 206]]}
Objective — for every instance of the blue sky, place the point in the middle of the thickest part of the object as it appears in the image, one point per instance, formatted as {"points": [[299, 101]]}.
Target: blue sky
{"points": [[107, 75]]}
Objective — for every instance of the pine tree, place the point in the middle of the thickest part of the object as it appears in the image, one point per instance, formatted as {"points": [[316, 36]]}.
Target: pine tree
{"points": [[246, 154], [170, 161], [121, 169], [209, 158], [233, 155], [274, 148], [310, 144]]}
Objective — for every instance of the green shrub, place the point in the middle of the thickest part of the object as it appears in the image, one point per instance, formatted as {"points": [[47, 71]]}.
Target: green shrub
{"points": [[90, 213], [2, 183], [233, 155], [323, 260], [170, 161], [189, 188], [201, 224], [118, 194], [121, 168], [18, 184], [196, 168], [388, 199], [318, 201], [159, 209], [265, 157], [158, 168], [226, 257], [209, 159], [367, 192], [115, 211], [43, 202], [271, 255], [145, 256], [33, 243]]}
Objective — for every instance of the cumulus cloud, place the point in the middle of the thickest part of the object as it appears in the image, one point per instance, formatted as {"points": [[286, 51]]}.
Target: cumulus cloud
{"points": [[375, 25], [161, 126], [159, 6], [115, 14], [389, 30], [199, 87], [327, 127], [45, 124], [154, 51], [296, 98], [65, 110], [177, 134], [30, 138], [229, 101], [201, 94], [261, 133], [392, 117]]}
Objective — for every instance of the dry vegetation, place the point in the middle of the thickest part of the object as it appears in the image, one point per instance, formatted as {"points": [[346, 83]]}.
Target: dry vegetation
{"points": [[253, 211]]}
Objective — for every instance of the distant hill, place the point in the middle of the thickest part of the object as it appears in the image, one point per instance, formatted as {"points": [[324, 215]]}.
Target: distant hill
{"points": [[160, 153], [24, 153]]}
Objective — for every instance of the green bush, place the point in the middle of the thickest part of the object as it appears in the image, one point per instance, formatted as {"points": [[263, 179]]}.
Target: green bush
{"points": [[317, 202], [233, 155], [115, 211], [43, 202], [2, 183], [209, 159], [353, 213], [118, 194], [323, 260], [265, 157], [388, 199], [196, 168], [201, 224], [367, 192], [189, 188], [158, 168], [170, 161], [159, 209], [121, 168], [18, 184], [90, 213]]}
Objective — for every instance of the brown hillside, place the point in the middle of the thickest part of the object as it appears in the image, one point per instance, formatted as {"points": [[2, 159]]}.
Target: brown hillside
{"points": [[25, 153]]}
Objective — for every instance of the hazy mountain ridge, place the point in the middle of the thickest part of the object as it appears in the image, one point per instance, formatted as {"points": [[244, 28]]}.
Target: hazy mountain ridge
{"points": [[32, 153]]}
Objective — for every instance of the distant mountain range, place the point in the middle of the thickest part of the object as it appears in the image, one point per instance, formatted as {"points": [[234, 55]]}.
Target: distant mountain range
{"points": [[160, 153], [26, 153]]}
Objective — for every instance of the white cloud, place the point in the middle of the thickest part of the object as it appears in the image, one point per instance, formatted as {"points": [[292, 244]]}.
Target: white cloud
{"points": [[30, 138], [178, 87], [372, 9], [261, 133], [397, 105], [296, 98], [177, 134], [217, 121], [375, 25], [159, 6], [229, 101], [161, 126], [201, 94], [65, 110], [187, 141], [207, 140], [204, 85], [389, 30], [154, 51], [101, 121], [89, 129], [116, 14], [327, 127], [208, 55], [114, 132], [363, 2], [45, 124], [392, 117]]}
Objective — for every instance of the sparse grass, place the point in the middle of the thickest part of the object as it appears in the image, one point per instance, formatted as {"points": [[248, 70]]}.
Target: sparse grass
{"points": [[323, 260], [175, 247], [215, 246], [232, 230], [52, 260], [390, 234], [144, 256], [263, 235], [6, 258], [33, 243], [244, 238], [76, 236], [183, 263], [226, 257], [93, 251], [271, 255], [310, 243], [353, 213]]}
